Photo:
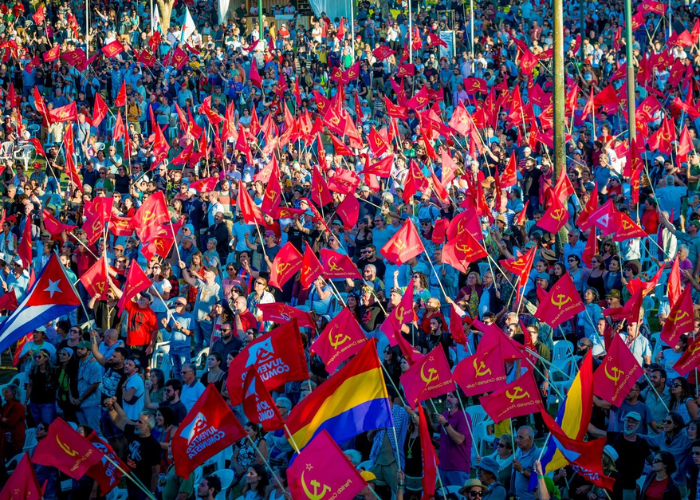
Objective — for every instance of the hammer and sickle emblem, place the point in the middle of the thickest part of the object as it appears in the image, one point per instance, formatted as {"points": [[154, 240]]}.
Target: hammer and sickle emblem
{"points": [[400, 313], [616, 371], [100, 287], [149, 216], [377, 141], [695, 348], [679, 315], [159, 245], [420, 100], [481, 370], [96, 226], [517, 393], [432, 375], [282, 266], [400, 245], [340, 339], [558, 213], [561, 302], [464, 248], [335, 120], [646, 109], [626, 224], [316, 485], [666, 136], [67, 449], [332, 265]]}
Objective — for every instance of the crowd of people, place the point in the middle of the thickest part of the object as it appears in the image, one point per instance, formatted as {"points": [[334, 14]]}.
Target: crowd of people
{"points": [[371, 107]]}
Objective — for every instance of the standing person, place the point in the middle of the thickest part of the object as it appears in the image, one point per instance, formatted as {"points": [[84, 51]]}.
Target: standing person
{"points": [[694, 476], [89, 381], [523, 463], [657, 395], [632, 452], [455, 443], [208, 293], [175, 487], [133, 389], [227, 343], [142, 328], [638, 344], [181, 326], [173, 389], [191, 387], [658, 484], [12, 427], [143, 452], [41, 390]]}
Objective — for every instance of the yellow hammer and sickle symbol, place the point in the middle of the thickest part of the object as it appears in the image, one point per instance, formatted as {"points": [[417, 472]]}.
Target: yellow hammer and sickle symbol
{"points": [[270, 194], [558, 213], [464, 248], [316, 485], [100, 287], [516, 394], [421, 100], [96, 225], [432, 375], [481, 370], [647, 109], [666, 136], [335, 120], [340, 339], [400, 245], [461, 228], [377, 141], [282, 266], [332, 266], [695, 348], [626, 224], [149, 215], [616, 371], [561, 302], [679, 315], [66, 448], [462, 119]]}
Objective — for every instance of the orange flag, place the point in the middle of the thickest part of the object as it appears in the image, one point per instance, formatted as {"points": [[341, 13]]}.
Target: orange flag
{"points": [[562, 303], [310, 267], [617, 373], [336, 265], [404, 245], [428, 378], [343, 337], [287, 263], [680, 320], [482, 372], [520, 397]]}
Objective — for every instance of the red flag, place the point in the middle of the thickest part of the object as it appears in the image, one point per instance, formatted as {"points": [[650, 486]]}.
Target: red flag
{"points": [[591, 248], [343, 337], [105, 472], [150, 215], [320, 193], [555, 216], [591, 207], [119, 130], [121, 96], [113, 49], [617, 373], [492, 335], [606, 218], [66, 450], [429, 458], [136, 282], [53, 226], [323, 470], [67, 113], [100, 111], [402, 314], [520, 397], [404, 245], [680, 319], [287, 263], [428, 378], [249, 210], [646, 286], [278, 356], [22, 483], [482, 372], [23, 341], [462, 251], [689, 360], [465, 221], [208, 428], [40, 15], [258, 405], [336, 265], [674, 283], [254, 74], [627, 229], [24, 249], [204, 185], [95, 279], [310, 268], [562, 303], [349, 211], [52, 54], [439, 231], [630, 311], [279, 312]]}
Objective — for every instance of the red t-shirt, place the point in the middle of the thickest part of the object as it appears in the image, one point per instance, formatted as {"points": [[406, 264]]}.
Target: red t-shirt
{"points": [[142, 323], [656, 490], [248, 321]]}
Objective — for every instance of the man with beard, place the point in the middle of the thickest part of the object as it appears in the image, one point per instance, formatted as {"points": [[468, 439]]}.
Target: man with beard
{"points": [[143, 452], [112, 382], [89, 379], [632, 452], [173, 388], [227, 343]]}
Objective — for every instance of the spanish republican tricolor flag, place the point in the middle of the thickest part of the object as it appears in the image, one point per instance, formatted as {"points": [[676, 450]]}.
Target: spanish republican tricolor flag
{"points": [[351, 402]]}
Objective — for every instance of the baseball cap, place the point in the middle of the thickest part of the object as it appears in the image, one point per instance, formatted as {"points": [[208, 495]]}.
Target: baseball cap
{"points": [[368, 476], [634, 416], [615, 294], [120, 247], [543, 276], [84, 345], [269, 233], [147, 296]]}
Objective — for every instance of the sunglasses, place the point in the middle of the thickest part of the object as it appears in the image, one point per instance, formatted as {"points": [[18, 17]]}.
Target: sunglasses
{"points": [[676, 385], [669, 422], [658, 461]]}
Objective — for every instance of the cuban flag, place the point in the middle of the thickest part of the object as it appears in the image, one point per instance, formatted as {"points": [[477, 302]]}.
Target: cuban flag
{"points": [[51, 296]]}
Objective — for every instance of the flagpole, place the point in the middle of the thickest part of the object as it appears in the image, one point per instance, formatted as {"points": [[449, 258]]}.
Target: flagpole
{"points": [[291, 438], [393, 384], [86, 247], [551, 384], [437, 470], [469, 426], [73, 287], [177, 250], [266, 463], [657, 392], [544, 446], [133, 478]]}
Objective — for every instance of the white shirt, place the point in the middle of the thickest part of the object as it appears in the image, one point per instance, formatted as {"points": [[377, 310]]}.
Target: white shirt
{"points": [[133, 410], [190, 394]]}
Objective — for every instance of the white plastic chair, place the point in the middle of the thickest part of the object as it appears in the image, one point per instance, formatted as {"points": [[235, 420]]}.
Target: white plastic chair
{"points": [[33, 130], [226, 477], [117, 494], [477, 415], [29, 440], [7, 150], [482, 436], [12, 463], [200, 362], [366, 465]]}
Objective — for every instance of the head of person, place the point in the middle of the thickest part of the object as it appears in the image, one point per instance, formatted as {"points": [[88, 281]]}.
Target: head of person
{"points": [[473, 489], [695, 452], [209, 487], [284, 405], [525, 438], [664, 462], [173, 389], [673, 423], [145, 423]]}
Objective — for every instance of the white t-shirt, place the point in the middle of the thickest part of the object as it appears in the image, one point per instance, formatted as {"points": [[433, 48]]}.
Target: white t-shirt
{"points": [[133, 410], [190, 394]]}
